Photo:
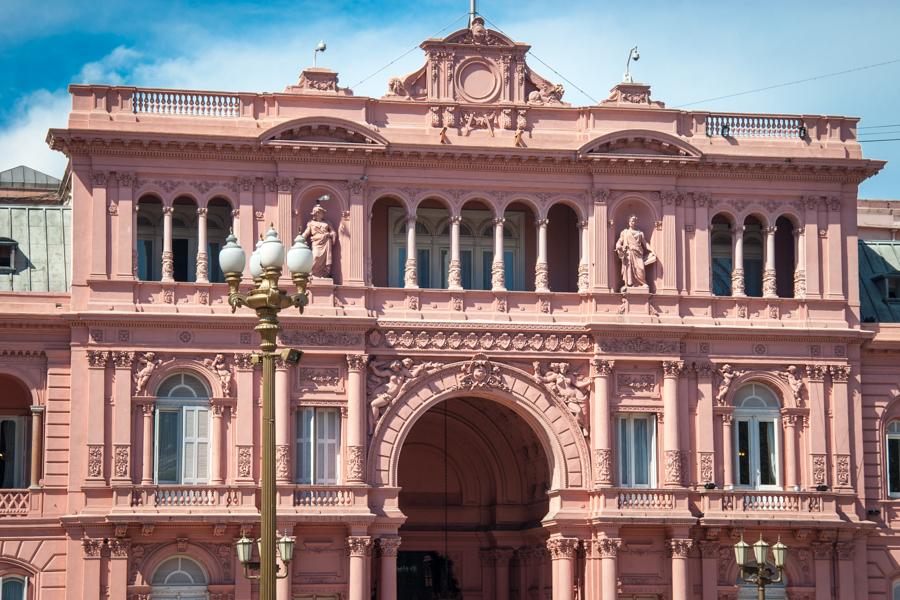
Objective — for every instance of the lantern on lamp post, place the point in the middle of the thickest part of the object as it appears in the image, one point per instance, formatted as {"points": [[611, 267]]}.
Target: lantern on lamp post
{"points": [[758, 571]]}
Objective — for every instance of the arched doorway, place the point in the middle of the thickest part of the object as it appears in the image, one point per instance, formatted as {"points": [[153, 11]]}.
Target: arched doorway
{"points": [[473, 478]]}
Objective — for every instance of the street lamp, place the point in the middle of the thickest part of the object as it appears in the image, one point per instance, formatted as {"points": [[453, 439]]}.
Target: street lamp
{"points": [[761, 573], [267, 299]]}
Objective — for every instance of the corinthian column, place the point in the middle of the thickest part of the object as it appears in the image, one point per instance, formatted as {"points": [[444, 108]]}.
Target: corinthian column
{"points": [[37, 438], [454, 269], [356, 417], [541, 270], [680, 549], [737, 269], [168, 265], [359, 554], [608, 549], [563, 552], [147, 410], [800, 266], [770, 289], [202, 257], [388, 586], [583, 271], [600, 437], [410, 276], [497, 272], [673, 453]]}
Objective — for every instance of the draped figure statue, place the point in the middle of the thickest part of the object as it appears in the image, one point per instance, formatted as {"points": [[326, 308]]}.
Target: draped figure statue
{"points": [[635, 254], [321, 238]]}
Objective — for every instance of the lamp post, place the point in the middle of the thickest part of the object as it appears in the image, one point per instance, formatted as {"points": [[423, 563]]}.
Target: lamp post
{"points": [[267, 299], [761, 573]]}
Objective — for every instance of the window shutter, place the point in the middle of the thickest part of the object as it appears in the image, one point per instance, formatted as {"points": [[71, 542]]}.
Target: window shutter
{"points": [[328, 444], [304, 445], [196, 445]]}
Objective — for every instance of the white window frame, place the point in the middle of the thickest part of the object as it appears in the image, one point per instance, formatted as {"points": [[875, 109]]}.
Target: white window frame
{"points": [[317, 445], [22, 578], [22, 447], [753, 416], [630, 418], [438, 245], [890, 435], [181, 408]]}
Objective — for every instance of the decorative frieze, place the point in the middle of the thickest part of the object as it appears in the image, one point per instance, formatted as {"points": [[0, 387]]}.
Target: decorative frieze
{"points": [[640, 346], [636, 384], [471, 340], [321, 379], [319, 338]]}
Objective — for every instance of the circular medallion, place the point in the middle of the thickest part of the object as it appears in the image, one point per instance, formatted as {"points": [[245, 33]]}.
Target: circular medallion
{"points": [[477, 81]]}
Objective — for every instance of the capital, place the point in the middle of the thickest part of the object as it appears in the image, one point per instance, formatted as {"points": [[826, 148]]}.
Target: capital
{"points": [[602, 368], [673, 368], [608, 547], [680, 547], [498, 221], [563, 547], [389, 545], [357, 362], [840, 373], [359, 545]]}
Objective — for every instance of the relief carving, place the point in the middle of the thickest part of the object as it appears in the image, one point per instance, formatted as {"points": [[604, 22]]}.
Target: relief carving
{"points": [[794, 376], [146, 364], [97, 359], [244, 461], [222, 370], [480, 372], [842, 470], [818, 469], [314, 379], [566, 387], [674, 466], [726, 376], [121, 460], [95, 461], [602, 466], [636, 384], [355, 463], [706, 467], [386, 380], [282, 461]]}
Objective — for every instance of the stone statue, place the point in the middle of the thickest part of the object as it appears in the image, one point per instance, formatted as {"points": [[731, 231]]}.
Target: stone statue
{"points": [[635, 254], [387, 379], [396, 87], [727, 375], [218, 365], [566, 387], [795, 379], [321, 237], [147, 363]]}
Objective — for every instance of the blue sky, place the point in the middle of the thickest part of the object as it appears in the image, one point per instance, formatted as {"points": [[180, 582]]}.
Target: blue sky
{"points": [[690, 51]]}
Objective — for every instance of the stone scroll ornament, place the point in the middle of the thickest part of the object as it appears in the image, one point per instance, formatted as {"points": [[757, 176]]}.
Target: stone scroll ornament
{"points": [[387, 379], [566, 387], [321, 237], [635, 253], [222, 370], [146, 364]]}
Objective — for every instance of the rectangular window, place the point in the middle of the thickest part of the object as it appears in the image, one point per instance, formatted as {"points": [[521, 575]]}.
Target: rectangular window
{"points": [[721, 271], [893, 465], [215, 271], [145, 260], [318, 445], [423, 267], [465, 259], [637, 450], [180, 268], [13, 452], [7, 255], [756, 445], [182, 445]]}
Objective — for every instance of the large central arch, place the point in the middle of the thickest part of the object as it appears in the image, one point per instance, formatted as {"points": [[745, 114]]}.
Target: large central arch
{"points": [[480, 377]]}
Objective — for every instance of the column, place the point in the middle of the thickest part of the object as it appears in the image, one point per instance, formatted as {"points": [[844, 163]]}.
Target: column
{"points": [[727, 452], [118, 566], [737, 269], [769, 288], [356, 233], [680, 549], [846, 578], [600, 421], [487, 579], [840, 405], [817, 434], [800, 264], [822, 555], [387, 589], [122, 417], [98, 243], [90, 584], [168, 265], [705, 425], [283, 585], [410, 275], [701, 246], [202, 247], [285, 208], [811, 237], [669, 252], [501, 572], [835, 280], [601, 234], [243, 227], [563, 552], [147, 409], [709, 571], [861, 560], [37, 441], [454, 270], [523, 558], [356, 417], [127, 229], [609, 551], [674, 457], [541, 270], [790, 452], [94, 417], [497, 271], [243, 436], [282, 423], [216, 436], [584, 278], [359, 553]]}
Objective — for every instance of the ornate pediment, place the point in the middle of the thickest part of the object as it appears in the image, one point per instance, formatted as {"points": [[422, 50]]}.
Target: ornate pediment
{"points": [[322, 130], [640, 142], [475, 66]]}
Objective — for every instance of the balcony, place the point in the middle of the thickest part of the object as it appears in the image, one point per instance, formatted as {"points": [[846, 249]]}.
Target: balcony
{"points": [[326, 502], [184, 499], [656, 504], [768, 505]]}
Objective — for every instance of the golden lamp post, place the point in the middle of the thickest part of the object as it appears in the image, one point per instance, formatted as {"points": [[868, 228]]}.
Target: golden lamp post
{"points": [[761, 573], [267, 299]]}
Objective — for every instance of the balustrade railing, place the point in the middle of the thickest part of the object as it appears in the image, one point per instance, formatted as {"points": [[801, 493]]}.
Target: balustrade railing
{"points": [[749, 126], [645, 500], [185, 496], [197, 104], [772, 502], [323, 497], [14, 502]]}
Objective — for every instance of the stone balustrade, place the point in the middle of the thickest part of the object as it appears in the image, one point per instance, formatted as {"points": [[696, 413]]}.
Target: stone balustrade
{"points": [[175, 497], [767, 504], [15, 502], [319, 496], [178, 102], [646, 500], [755, 126]]}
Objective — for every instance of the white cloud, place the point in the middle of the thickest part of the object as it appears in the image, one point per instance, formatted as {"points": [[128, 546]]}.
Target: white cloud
{"points": [[114, 68], [23, 141]]}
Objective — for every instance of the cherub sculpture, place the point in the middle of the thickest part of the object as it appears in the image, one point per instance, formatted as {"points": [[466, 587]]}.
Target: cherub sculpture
{"points": [[727, 375], [218, 365], [795, 379], [147, 363], [387, 379], [566, 387]]}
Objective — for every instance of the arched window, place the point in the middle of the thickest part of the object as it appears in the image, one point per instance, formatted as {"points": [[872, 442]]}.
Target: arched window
{"points": [[753, 257], [756, 437], [892, 444], [15, 433], [182, 430], [13, 587], [179, 578], [721, 264]]}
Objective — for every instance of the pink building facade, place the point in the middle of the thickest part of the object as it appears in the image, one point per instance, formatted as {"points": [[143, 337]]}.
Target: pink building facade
{"points": [[489, 404]]}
